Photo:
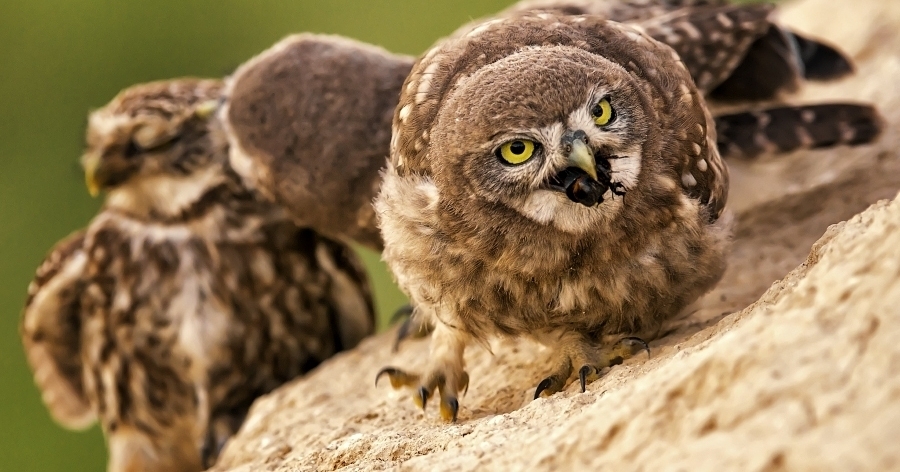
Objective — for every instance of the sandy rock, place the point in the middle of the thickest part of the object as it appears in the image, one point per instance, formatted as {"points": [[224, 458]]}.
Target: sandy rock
{"points": [[801, 373]]}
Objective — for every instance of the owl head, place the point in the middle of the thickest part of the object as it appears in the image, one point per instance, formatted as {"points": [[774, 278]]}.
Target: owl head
{"points": [[561, 119], [153, 134]]}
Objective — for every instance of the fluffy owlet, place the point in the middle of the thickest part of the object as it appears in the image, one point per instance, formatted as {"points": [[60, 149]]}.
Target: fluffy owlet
{"points": [[309, 121], [555, 177], [187, 297], [734, 53]]}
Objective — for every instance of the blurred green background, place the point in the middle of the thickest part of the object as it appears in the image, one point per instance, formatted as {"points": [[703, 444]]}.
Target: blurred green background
{"points": [[58, 60]]}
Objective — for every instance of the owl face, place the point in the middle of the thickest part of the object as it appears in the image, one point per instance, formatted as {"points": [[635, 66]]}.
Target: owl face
{"points": [[151, 130], [558, 150], [557, 118]]}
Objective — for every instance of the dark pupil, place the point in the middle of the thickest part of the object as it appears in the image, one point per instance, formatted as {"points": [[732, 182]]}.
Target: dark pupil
{"points": [[517, 147], [597, 111]]}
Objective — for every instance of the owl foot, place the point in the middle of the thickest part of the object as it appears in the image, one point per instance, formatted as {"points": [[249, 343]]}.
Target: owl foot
{"points": [[402, 313], [594, 361], [412, 327], [449, 406]]}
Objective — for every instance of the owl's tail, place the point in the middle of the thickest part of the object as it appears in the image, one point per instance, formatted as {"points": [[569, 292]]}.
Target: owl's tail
{"points": [[789, 128]]}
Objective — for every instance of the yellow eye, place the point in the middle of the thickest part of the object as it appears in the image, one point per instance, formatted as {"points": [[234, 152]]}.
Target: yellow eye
{"points": [[516, 152], [603, 112]]}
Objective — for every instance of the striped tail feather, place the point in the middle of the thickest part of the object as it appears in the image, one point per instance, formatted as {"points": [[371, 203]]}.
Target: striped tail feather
{"points": [[789, 128]]}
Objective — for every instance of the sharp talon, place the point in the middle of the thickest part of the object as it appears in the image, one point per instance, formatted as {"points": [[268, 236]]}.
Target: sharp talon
{"points": [[404, 311], [632, 341], [398, 377], [582, 375], [390, 371], [421, 399], [449, 409], [465, 383], [544, 385], [402, 334], [410, 328]]}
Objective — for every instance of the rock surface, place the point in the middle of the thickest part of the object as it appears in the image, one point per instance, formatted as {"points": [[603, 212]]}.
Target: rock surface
{"points": [[801, 373]]}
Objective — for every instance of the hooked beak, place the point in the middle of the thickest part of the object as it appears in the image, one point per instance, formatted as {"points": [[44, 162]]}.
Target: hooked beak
{"points": [[580, 156], [579, 179], [91, 162]]}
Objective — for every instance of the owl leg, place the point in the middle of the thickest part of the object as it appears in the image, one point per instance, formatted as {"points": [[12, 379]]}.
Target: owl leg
{"points": [[575, 349], [445, 374], [412, 327]]}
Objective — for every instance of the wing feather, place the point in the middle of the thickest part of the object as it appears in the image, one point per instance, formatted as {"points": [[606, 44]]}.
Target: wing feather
{"points": [[51, 333]]}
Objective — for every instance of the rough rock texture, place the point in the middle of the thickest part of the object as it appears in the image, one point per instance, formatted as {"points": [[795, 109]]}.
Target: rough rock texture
{"points": [[799, 374]]}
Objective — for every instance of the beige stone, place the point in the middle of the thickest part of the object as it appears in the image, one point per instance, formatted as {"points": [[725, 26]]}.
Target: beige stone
{"points": [[801, 373]]}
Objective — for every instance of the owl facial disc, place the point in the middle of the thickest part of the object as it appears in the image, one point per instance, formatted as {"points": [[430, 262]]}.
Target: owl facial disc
{"points": [[587, 177]]}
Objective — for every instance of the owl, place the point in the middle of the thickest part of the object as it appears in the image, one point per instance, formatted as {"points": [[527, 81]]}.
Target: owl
{"points": [[738, 55], [309, 124], [553, 177], [187, 296]]}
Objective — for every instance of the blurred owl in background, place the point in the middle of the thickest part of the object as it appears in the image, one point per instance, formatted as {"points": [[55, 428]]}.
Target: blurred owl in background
{"points": [[557, 175], [187, 296], [309, 123]]}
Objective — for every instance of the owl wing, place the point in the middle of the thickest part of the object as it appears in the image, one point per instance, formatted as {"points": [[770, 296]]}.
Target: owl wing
{"points": [[737, 52], [51, 332], [309, 127], [713, 41], [615, 10]]}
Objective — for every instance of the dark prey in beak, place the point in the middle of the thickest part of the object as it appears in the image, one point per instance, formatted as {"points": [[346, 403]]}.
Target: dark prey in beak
{"points": [[588, 176], [579, 186]]}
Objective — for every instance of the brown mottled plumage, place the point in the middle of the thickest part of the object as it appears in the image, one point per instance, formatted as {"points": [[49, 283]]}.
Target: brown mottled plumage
{"points": [[187, 297], [484, 246], [735, 52]]}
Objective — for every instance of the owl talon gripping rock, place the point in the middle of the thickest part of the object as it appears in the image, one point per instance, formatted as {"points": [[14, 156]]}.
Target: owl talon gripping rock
{"points": [[481, 224]]}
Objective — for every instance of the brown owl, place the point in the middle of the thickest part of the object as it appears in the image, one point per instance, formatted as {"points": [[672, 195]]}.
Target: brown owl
{"points": [[555, 177], [188, 296], [736, 53]]}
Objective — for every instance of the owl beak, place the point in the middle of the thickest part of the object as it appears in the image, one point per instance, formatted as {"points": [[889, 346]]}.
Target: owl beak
{"points": [[91, 162], [580, 154]]}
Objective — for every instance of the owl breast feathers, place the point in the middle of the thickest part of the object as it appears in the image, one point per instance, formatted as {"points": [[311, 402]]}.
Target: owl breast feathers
{"points": [[555, 177]]}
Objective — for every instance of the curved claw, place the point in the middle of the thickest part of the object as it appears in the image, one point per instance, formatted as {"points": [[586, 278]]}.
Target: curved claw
{"points": [[631, 342], [583, 374], [465, 383], [421, 397], [386, 370], [402, 333], [449, 409], [410, 328], [404, 311], [398, 377], [544, 385]]}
